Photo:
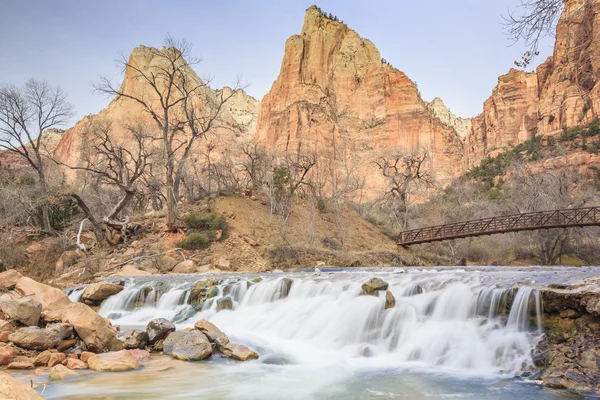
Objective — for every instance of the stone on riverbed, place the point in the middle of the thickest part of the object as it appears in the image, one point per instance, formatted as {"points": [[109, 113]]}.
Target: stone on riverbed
{"points": [[134, 339], [96, 293], [158, 329], [374, 285], [225, 303], [238, 352], [56, 358], [60, 372], [193, 346], [170, 341], [91, 328], [50, 297], [115, 361], [14, 389], [213, 333], [390, 300]]}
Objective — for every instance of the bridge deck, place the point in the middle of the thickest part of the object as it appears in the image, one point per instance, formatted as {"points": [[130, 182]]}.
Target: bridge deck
{"points": [[589, 216]]}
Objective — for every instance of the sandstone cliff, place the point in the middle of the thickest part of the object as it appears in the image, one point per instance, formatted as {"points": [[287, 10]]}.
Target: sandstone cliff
{"points": [[438, 109], [563, 92], [236, 120], [335, 95]]}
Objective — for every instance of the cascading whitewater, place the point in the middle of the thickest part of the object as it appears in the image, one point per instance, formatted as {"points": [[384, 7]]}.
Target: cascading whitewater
{"points": [[447, 319]]}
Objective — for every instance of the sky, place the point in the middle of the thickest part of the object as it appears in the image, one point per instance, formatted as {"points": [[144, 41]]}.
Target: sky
{"points": [[454, 50]]}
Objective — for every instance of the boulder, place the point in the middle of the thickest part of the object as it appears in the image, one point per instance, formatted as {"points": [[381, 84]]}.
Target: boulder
{"points": [[185, 267], [96, 293], [52, 316], [238, 352], [14, 389], [158, 329], [6, 355], [35, 338], [184, 314], [9, 279], [213, 333], [64, 331], [43, 357], [222, 263], [91, 328], [115, 361], [139, 355], [56, 359], [169, 342], [85, 355], [60, 372], [73, 363], [166, 263], [50, 298], [66, 344], [225, 303], [66, 259], [374, 285], [134, 339], [8, 326], [193, 346], [390, 300], [20, 365], [26, 310]]}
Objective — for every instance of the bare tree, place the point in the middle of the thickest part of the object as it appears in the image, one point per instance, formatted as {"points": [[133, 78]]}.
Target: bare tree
{"points": [[405, 173], [531, 22], [183, 108], [25, 114], [114, 165]]}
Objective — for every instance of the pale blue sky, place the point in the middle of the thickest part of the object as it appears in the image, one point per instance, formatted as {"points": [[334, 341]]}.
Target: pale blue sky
{"points": [[453, 49]]}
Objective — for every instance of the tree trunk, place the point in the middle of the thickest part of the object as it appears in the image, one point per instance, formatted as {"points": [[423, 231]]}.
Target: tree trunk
{"points": [[45, 205], [171, 199]]}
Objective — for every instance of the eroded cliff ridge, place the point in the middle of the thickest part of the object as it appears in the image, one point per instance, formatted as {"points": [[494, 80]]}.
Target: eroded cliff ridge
{"points": [[237, 120], [336, 95], [563, 92]]}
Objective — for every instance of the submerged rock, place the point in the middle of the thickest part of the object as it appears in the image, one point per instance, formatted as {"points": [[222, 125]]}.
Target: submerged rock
{"points": [[96, 293], [116, 361], [374, 285], [60, 372], [390, 300], [238, 352], [193, 346], [158, 329], [225, 303]]}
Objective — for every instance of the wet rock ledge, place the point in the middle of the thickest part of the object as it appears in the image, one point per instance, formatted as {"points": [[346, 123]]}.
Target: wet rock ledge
{"points": [[40, 328], [569, 354]]}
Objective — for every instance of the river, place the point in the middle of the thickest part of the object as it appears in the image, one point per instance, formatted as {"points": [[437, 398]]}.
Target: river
{"points": [[454, 333]]}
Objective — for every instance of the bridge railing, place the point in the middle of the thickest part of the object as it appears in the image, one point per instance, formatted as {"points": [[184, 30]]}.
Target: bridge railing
{"points": [[588, 216]]}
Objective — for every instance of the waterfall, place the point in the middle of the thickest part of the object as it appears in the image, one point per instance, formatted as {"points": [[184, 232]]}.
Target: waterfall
{"points": [[447, 319]]}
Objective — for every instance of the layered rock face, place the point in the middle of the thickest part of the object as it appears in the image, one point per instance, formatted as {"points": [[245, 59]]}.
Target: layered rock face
{"points": [[510, 116], [236, 120], [563, 92], [335, 95], [438, 109]]}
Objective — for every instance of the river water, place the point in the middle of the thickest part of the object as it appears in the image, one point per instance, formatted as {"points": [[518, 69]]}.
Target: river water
{"points": [[453, 333]]}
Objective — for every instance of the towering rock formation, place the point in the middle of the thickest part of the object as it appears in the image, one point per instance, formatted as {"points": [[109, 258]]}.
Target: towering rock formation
{"points": [[237, 120], [568, 80], [335, 95], [510, 116], [563, 92], [438, 109]]}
